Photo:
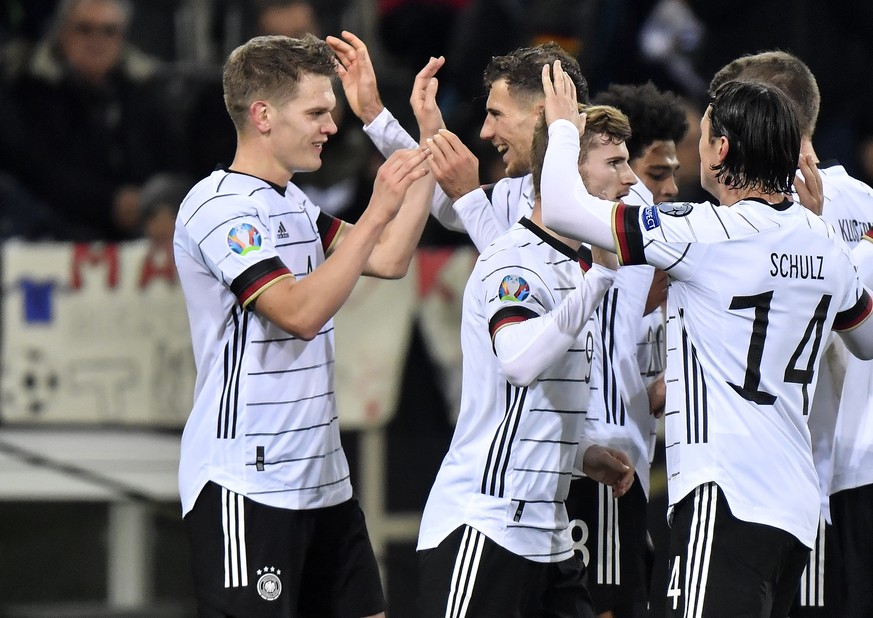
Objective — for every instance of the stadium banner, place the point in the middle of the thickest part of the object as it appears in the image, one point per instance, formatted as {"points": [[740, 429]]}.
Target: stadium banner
{"points": [[98, 333]]}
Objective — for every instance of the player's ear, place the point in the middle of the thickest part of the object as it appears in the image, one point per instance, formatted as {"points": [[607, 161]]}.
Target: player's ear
{"points": [[259, 112], [723, 148]]}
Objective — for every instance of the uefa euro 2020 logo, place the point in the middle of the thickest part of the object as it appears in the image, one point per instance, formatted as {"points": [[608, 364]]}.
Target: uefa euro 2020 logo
{"points": [[514, 288], [244, 238]]}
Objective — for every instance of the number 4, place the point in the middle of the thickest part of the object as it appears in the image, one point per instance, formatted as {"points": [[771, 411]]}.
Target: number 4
{"points": [[674, 589]]}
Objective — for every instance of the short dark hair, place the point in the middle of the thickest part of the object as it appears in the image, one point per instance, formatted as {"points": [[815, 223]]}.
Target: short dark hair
{"points": [[523, 69], [783, 70], [763, 134], [653, 115], [269, 68], [601, 121]]}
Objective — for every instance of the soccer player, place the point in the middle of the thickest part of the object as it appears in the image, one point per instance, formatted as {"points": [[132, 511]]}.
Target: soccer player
{"points": [[621, 403], [273, 525], [851, 480], [659, 123], [742, 351], [848, 206], [494, 535], [514, 104]]}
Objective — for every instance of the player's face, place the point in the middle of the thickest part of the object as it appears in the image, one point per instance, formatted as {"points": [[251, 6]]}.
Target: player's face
{"points": [[509, 125], [300, 128], [605, 170], [657, 169], [708, 150]]}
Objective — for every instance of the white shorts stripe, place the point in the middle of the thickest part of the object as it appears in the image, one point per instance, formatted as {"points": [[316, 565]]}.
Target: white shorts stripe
{"points": [[608, 541], [812, 582], [464, 573], [233, 525], [699, 549]]}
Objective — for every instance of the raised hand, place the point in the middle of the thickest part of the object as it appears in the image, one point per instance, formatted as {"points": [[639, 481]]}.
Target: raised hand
{"points": [[453, 165], [394, 177], [560, 101], [358, 77], [423, 99], [808, 185]]}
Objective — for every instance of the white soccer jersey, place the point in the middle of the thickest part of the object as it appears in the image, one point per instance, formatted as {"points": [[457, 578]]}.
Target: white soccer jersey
{"points": [[848, 202], [619, 414], [853, 437], [509, 465], [264, 421], [848, 206], [755, 291]]}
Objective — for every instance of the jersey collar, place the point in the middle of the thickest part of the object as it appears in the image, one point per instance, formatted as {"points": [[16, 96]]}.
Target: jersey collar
{"points": [[547, 238]]}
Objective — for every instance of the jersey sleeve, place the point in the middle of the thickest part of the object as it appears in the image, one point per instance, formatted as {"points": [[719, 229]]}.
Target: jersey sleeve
{"points": [[235, 242], [512, 291], [661, 235]]}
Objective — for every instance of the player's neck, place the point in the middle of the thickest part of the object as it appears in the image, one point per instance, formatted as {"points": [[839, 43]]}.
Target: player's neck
{"points": [[259, 164], [536, 217], [729, 197]]}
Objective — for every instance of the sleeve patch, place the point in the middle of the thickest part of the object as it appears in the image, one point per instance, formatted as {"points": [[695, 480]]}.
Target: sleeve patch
{"points": [[649, 217], [244, 238], [513, 288], [675, 209]]}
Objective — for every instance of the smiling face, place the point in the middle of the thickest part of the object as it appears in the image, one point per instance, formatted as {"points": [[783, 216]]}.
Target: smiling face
{"points": [[509, 126], [300, 127], [657, 168], [605, 169]]}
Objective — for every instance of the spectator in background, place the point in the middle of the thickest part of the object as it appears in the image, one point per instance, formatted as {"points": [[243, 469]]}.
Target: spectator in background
{"points": [[96, 126], [292, 18], [160, 199]]}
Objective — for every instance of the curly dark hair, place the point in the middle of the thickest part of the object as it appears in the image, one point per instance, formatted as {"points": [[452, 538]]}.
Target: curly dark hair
{"points": [[654, 115], [523, 68], [763, 133]]}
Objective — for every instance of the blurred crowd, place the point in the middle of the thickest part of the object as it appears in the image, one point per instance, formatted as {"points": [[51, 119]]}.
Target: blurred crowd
{"points": [[112, 107]]}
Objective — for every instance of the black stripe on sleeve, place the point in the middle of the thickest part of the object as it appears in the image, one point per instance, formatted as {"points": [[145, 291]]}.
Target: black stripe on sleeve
{"points": [[508, 315], [850, 318], [254, 276]]}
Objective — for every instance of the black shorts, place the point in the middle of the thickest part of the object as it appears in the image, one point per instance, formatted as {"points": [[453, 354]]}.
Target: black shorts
{"points": [[250, 559], [470, 575], [851, 513], [721, 567], [610, 535], [818, 593]]}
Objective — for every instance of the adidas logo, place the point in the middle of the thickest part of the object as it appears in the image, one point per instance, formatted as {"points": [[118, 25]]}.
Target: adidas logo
{"points": [[282, 233]]}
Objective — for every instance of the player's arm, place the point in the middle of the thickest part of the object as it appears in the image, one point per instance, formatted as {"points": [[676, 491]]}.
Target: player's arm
{"points": [[855, 326], [567, 206], [358, 77], [302, 307], [526, 344]]}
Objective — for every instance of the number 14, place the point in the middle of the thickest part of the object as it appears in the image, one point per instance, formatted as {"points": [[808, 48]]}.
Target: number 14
{"points": [[761, 304]]}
